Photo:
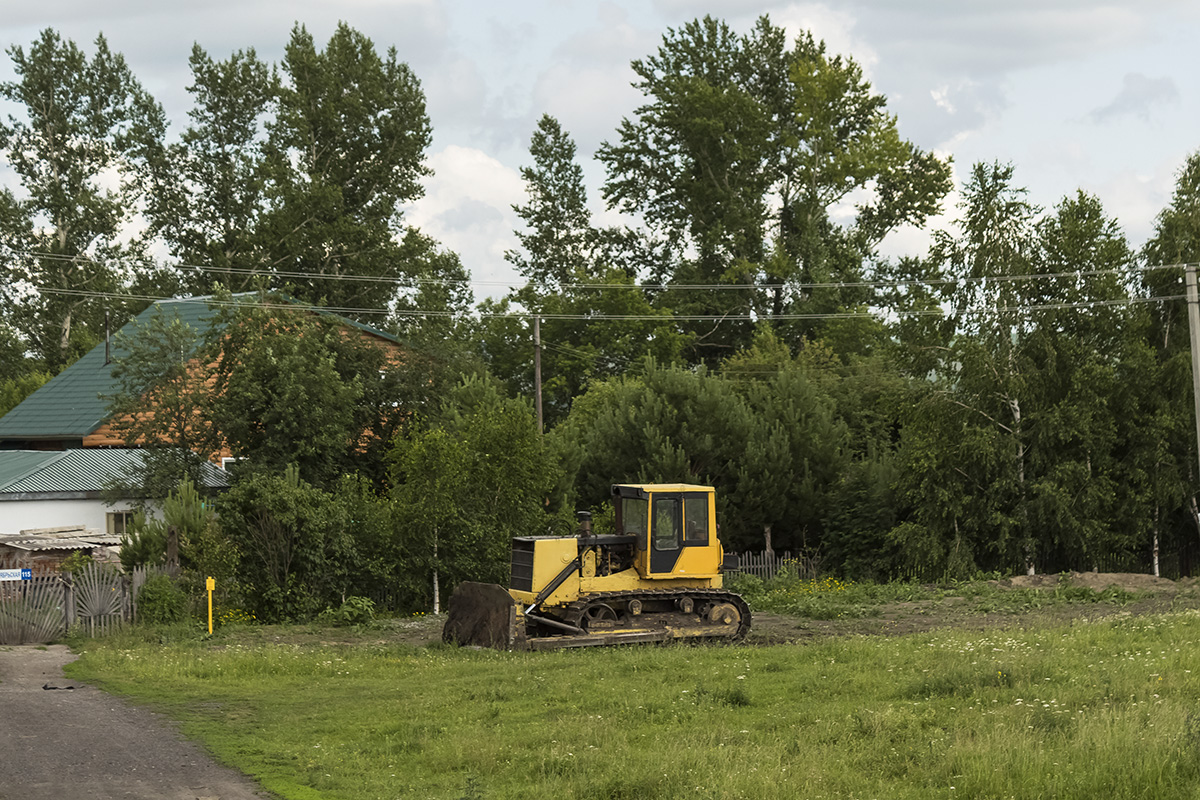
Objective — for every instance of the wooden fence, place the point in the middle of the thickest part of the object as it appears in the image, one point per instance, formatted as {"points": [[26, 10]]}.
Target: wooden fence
{"points": [[768, 563], [97, 599]]}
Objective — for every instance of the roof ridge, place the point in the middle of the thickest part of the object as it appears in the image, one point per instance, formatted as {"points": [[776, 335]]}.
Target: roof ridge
{"points": [[199, 297]]}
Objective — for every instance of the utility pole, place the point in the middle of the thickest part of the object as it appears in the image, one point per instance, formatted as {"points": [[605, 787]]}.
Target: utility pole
{"points": [[537, 371], [1193, 307]]}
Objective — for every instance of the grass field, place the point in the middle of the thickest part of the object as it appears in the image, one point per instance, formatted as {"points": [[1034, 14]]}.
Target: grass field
{"points": [[1105, 708]]}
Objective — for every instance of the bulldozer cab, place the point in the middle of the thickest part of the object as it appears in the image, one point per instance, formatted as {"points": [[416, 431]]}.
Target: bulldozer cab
{"points": [[673, 526]]}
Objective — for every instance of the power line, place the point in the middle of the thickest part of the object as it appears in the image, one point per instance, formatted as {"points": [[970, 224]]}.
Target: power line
{"points": [[405, 281], [669, 318]]}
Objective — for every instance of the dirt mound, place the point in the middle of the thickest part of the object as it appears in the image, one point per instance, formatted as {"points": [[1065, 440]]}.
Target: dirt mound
{"points": [[1129, 581]]}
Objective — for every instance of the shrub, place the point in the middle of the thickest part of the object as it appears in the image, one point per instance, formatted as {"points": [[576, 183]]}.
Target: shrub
{"points": [[353, 611], [75, 562], [161, 601]]}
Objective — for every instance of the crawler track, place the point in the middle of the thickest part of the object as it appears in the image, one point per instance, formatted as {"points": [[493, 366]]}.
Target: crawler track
{"points": [[609, 618]]}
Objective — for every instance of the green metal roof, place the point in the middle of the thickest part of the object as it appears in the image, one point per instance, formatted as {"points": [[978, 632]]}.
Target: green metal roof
{"points": [[26, 474], [74, 403]]}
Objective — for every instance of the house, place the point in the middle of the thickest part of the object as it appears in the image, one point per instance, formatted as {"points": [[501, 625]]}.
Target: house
{"points": [[63, 489], [58, 450], [70, 411]]}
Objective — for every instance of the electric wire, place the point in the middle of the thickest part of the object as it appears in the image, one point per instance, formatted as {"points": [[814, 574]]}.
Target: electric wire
{"points": [[666, 319], [404, 281]]}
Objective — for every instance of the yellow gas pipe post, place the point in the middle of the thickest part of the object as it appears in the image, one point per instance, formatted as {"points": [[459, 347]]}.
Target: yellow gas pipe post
{"points": [[211, 584]]}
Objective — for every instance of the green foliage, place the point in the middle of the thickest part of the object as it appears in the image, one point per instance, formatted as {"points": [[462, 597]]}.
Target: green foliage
{"points": [[293, 540], [465, 487], [353, 611], [589, 333], [743, 147], [13, 390], [772, 448], [77, 140], [161, 602], [144, 541], [75, 562], [345, 151], [160, 366], [210, 185]]}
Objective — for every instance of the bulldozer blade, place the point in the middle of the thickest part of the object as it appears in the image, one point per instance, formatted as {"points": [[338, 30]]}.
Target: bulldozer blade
{"points": [[483, 615]]}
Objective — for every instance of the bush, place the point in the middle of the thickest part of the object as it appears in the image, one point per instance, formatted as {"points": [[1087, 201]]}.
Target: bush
{"points": [[75, 562], [160, 601], [354, 611]]}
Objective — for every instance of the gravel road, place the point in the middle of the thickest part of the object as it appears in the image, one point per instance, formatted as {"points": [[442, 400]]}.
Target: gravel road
{"points": [[62, 743]]}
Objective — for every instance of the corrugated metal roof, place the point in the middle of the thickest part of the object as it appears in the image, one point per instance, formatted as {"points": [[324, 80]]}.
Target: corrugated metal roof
{"points": [[24, 472], [16, 464]]}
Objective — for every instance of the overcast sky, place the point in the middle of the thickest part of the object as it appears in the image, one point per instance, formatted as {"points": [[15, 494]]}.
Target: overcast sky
{"points": [[1077, 94]]}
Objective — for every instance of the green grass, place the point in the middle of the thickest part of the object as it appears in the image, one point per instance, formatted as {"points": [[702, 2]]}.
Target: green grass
{"points": [[1100, 709]]}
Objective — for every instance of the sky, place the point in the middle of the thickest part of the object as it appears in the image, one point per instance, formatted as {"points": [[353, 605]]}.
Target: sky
{"points": [[1084, 95]]}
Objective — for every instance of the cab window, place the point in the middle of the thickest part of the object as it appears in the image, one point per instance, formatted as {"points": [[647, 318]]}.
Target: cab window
{"points": [[666, 523], [633, 517], [695, 520]]}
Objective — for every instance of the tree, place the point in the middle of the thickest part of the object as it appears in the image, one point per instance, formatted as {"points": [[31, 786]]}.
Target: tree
{"points": [[85, 134], [1013, 454], [667, 425], [161, 404], [581, 279], [289, 388], [1176, 241], [209, 194], [465, 486], [294, 544], [733, 121], [345, 151]]}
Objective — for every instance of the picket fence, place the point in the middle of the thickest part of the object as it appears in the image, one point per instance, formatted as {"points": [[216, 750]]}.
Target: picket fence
{"points": [[97, 599], [768, 563]]}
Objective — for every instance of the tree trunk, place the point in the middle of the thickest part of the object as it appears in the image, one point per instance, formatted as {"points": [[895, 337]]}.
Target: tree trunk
{"points": [[173, 551], [1026, 534], [65, 339], [767, 540], [1155, 529], [437, 608]]}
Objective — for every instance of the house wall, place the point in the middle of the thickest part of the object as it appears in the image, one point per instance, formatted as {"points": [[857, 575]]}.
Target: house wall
{"points": [[20, 515]]}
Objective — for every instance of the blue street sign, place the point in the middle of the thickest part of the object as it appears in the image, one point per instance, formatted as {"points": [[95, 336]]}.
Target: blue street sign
{"points": [[27, 574]]}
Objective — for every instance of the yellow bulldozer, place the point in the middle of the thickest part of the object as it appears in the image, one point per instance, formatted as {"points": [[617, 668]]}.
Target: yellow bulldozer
{"points": [[656, 578]]}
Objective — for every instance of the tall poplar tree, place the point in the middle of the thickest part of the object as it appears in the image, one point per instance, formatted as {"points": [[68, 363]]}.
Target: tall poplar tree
{"points": [[743, 148], [345, 151], [78, 145], [582, 279], [209, 194]]}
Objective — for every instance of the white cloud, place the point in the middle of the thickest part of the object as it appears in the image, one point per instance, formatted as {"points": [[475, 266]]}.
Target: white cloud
{"points": [[1136, 196], [468, 208], [835, 27]]}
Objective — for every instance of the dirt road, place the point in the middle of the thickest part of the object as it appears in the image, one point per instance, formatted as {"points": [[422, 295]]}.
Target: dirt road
{"points": [[62, 743]]}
